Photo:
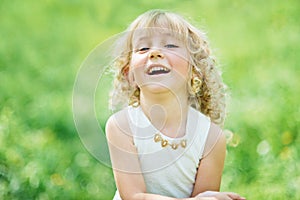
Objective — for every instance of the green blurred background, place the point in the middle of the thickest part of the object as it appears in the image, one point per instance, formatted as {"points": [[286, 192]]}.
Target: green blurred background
{"points": [[43, 44]]}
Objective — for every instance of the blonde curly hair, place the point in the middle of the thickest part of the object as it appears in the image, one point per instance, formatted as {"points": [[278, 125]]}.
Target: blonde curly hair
{"points": [[210, 100]]}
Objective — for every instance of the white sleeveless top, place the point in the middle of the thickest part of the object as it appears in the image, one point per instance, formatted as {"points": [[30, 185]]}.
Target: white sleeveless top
{"points": [[166, 171]]}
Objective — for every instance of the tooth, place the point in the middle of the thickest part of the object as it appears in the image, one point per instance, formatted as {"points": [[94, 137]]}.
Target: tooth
{"points": [[158, 68]]}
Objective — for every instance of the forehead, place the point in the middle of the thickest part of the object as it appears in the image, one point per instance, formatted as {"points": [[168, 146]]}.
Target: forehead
{"points": [[148, 33]]}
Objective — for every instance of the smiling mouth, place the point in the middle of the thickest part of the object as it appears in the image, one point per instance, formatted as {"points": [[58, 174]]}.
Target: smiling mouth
{"points": [[156, 70]]}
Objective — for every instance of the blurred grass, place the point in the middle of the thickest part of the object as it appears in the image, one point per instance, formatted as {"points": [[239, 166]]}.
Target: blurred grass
{"points": [[43, 44]]}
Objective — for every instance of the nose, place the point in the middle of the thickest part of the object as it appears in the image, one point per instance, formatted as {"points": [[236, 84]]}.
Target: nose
{"points": [[156, 53]]}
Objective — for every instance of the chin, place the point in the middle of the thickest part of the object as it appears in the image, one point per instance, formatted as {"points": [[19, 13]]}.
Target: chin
{"points": [[155, 89], [162, 85]]}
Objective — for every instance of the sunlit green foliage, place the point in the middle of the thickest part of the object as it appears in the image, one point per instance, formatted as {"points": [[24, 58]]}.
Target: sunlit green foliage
{"points": [[43, 44]]}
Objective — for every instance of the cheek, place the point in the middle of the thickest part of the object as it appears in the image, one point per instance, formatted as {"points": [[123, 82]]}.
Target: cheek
{"points": [[181, 65], [136, 71], [137, 61]]}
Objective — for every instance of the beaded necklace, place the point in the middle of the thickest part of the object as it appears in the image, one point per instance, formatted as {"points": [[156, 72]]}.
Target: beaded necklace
{"points": [[165, 142]]}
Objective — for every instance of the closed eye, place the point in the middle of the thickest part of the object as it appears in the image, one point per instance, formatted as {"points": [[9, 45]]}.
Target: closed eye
{"points": [[143, 49], [171, 46]]}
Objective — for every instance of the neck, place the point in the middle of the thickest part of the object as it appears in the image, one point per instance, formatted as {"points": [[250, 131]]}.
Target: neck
{"points": [[166, 111]]}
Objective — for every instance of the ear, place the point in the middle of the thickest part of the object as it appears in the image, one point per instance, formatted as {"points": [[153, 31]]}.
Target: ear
{"points": [[130, 76], [125, 72]]}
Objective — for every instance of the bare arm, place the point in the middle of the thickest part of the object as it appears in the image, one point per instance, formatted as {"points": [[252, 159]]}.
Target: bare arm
{"points": [[209, 174], [210, 170]]}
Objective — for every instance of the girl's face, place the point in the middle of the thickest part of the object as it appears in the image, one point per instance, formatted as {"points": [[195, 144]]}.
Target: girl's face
{"points": [[159, 61]]}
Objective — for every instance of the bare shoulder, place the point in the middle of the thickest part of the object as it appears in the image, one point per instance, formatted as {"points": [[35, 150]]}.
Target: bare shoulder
{"points": [[117, 128], [118, 121], [214, 129], [216, 141], [122, 150], [117, 125]]}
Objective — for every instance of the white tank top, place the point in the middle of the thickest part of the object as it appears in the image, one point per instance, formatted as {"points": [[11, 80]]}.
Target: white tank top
{"points": [[166, 171]]}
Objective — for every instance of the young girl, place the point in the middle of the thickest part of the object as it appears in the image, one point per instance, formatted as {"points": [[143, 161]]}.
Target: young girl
{"points": [[167, 144]]}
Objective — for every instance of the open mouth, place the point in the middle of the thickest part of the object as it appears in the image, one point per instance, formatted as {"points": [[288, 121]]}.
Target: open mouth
{"points": [[156, 70]]}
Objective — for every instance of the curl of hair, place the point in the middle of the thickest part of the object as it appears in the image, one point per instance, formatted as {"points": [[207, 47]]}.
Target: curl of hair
{"points": [[211, 98]]}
